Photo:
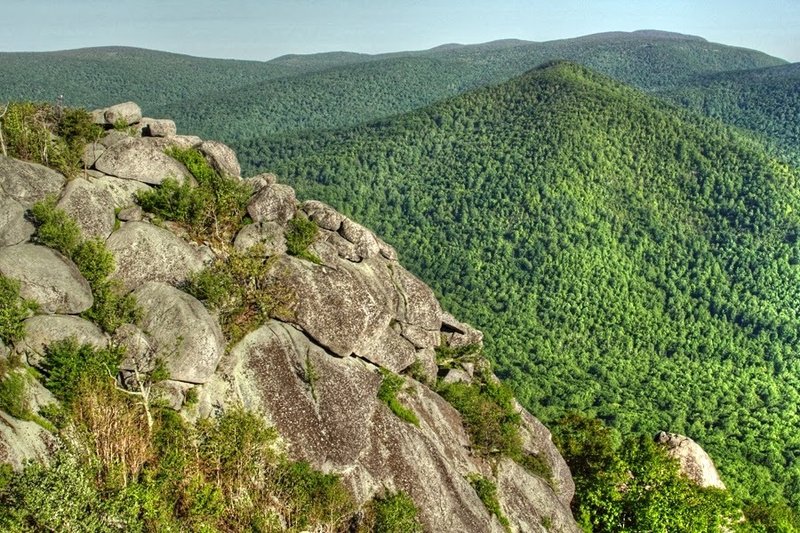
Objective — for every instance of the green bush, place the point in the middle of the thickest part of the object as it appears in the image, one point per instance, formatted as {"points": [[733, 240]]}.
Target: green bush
{"points": [[13, 397], [387, 393], [213, 210], [56, 229], [487, 408], [241, 290], [395, 513], [13, 310], [311, 497], [47, 135], [68, 364], [300, 234], [487, 492]]}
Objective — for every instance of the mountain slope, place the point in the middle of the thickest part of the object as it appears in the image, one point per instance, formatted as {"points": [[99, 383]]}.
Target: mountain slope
{"points": [[765, 101], [627, 259]]}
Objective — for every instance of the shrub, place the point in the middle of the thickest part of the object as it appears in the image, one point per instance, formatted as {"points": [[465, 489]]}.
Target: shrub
{"points": [[300, 234], [241, 290], [310, 497], [49, 136], [60, 496], [56, 229], [390, 386], [13, 397], [487, 408], [68, 365], [13, 310], [213, 210], [393, 513], [487, 492]]}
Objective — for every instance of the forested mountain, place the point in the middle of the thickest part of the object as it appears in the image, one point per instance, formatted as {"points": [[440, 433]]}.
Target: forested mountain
{"points": [[765, 101], [238, 100], [627, 259]]}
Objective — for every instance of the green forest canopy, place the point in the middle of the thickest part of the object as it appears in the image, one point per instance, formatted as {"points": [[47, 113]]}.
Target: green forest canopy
{"points": [[627, 260]]}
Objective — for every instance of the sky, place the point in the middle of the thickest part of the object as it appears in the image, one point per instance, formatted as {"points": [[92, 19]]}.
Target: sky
{"points": [[261, 30]]}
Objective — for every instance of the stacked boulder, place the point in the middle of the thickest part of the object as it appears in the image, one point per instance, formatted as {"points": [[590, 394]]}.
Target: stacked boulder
{"points": [[314, 374]]}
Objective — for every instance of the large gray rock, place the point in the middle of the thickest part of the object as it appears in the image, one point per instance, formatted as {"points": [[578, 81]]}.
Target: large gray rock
{"points": [[337, 423], [123, 192], [47, 277], [43, 330], [538, 441], [140, 355], [145, 253], [140, 159], [363, 239], [22, 441], [158, 127], [221, 158], [273, 203], [28, 183], [458, 334], [90, 206], [14, 227], [91, 153], [323, 215], [126, 112], [181, 332], [270, 235], [694, 462], [526, 499], [337, 307]]}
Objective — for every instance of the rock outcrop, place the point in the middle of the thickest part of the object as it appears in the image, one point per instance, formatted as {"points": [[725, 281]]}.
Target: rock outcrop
{"points": [[694, 462], [313, 370]]}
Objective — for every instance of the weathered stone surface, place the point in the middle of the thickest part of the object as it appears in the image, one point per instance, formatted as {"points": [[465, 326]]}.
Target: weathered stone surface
{"points": [[273, 203], [14, 227], [335, 306], [172, 392], [28, 183], [527, 501], [387, 349], [323, 215], [158, 127], [419, 305], [221, 158], [127, 112], [386, 250], [260, 181], [133, 213], [91, 153], [139, 159], [113, 137], [340, 425], [537, 440], [329, 241], [428, 367], [145, 253], [91, 206], [43, 330], [459, 334], [47, 277], [364, 240], [123, 192], [140, 355], [420, 337], [181, 332], [456, 375], [268, 234], [694, 462], [22, 441]]}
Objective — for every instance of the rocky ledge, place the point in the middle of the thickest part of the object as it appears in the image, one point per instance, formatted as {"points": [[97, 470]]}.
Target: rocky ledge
{"points": [[314, 371]]}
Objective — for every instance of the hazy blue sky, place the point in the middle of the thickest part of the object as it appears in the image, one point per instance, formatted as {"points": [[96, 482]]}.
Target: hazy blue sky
{"points": [[250, 29]]}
